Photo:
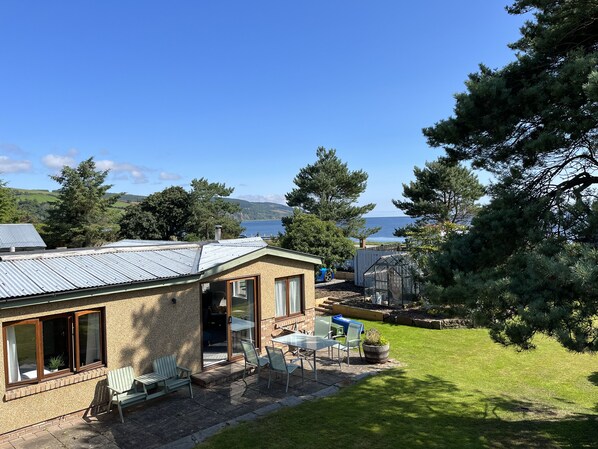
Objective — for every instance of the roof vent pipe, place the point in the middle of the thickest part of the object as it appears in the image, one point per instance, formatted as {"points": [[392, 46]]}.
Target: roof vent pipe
{"points": [[12, 249], [218, 232]]}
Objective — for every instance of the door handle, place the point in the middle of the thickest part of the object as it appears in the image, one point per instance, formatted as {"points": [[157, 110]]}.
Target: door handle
{"points": [[230, 319]]}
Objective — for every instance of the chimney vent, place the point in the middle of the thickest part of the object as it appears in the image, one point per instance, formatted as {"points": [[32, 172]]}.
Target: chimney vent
{"points": [[218, 232]]}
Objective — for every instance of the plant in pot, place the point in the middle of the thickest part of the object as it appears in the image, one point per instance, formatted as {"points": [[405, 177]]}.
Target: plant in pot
{"points": [[375, 346], [55, 363]]}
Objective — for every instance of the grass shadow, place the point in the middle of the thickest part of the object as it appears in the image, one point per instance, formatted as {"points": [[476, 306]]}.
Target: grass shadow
{"points": [[395, 410]]}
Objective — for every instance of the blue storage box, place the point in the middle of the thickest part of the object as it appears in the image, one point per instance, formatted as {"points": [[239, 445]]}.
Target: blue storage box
{"points": [[339, 319]]}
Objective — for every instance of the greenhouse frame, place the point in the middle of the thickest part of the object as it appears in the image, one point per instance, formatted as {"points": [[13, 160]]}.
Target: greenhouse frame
{"points": [[392, 281]]}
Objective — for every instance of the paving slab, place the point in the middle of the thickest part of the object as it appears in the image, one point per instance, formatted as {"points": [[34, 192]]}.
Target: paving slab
{"points": [[178, 421]]}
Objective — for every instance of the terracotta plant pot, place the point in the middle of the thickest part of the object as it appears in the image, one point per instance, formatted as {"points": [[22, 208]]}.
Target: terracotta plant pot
{"points": [[375, 354]]}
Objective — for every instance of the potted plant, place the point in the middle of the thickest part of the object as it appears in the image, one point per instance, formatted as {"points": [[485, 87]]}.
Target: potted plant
{"points": [[55, 363], [375, 346]]}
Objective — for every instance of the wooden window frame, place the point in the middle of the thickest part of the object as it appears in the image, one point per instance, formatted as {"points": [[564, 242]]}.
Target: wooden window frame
{"points": [[288, 296], [76, 361], [72, 346]]}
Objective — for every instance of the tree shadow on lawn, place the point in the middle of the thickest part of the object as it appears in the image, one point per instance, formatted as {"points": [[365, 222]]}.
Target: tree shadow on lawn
{"points": [[594, 379], [434, 413]]}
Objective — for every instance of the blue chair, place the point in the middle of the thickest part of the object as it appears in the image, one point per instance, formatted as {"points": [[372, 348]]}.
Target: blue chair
{"points": [[252, 358], [352, 340], [279, 364]]}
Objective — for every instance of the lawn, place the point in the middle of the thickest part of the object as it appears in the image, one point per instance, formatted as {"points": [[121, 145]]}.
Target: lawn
{"points": [[457, 389]]}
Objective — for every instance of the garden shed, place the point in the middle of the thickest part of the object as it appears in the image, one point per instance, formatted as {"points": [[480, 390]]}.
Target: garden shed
{"points": [[391, 281]]}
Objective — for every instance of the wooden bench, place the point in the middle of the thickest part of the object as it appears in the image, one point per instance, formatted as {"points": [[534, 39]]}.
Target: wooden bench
{"points": [[123, 389], [176, 376]]}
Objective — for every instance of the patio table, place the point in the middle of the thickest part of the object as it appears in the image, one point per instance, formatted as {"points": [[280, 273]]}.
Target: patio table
{"points": [[308, 343], [153, 379]]}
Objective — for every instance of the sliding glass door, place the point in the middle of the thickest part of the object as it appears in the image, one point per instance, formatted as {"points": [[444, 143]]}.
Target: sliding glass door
{"points": [[241, 322], [228, 316]]}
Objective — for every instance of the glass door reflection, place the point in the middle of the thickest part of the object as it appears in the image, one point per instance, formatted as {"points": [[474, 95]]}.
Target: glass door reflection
{"points": [[241, 321]]}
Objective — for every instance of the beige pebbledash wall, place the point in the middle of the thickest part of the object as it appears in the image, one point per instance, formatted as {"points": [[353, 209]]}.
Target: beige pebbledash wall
{"points": [[268, 269], [140, 326]]}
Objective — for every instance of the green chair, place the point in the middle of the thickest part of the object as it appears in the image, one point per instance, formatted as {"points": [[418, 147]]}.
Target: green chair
{"points": [[176, 376], [279, 364], [322, 327], [123, 389], [252, 358], [352, 340]]}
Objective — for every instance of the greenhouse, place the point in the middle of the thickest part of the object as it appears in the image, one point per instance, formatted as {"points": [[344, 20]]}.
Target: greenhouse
{"points": [[391, 281]]}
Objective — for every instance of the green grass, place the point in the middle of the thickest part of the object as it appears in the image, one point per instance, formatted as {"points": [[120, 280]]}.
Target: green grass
{"points": [[457, 389]]}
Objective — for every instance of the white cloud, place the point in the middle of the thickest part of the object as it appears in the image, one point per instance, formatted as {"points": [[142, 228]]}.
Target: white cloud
{"points": [[8, 165], [279, 199], [165, 176], [57, 161], [119, 169]]}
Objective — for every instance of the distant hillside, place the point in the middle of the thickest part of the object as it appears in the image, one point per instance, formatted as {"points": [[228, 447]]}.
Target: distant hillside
{"points": [[37, 202], [261, 211]]}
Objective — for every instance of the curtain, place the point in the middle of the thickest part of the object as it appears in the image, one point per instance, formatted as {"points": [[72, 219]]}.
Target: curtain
{"points": [[14, 372], [89, 331], [295, 295], [281, 298]]}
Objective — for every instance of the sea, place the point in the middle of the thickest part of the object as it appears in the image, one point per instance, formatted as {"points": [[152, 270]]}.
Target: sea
{"points": [[271, 228]]}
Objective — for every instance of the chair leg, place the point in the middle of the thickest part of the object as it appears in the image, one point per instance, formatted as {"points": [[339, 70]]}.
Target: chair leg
{"points": [[244, 371], [360, 356], [269, 377], [190, 390], [288, 377], [120, 411]]}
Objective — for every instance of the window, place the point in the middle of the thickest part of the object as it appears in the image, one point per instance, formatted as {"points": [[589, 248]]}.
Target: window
{"points": [[289, 296], [41, 348]]}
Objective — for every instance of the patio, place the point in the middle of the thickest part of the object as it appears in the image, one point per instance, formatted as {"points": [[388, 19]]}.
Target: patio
{"points": [[177, 421]]}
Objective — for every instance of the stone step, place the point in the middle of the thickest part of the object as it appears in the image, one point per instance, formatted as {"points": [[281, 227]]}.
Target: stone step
{"points": [[220, 375]]}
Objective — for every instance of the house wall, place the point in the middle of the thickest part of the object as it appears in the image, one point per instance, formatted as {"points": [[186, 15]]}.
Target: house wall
{"points": [[140, 326], [268, 269]]}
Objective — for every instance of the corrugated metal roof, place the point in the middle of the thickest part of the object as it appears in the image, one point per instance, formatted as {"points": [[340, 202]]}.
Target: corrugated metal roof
{"points": [[215, 254], [22, 235], [38, 273], [31, 274], [131, 242]]}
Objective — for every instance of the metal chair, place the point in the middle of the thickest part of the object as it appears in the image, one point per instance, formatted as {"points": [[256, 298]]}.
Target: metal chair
{"points": [[279, 364], [322, 326], [352, 340], [252, 358]]}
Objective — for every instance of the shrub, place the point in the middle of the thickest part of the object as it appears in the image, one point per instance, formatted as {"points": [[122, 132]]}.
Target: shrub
{"points": [[374, 338]]}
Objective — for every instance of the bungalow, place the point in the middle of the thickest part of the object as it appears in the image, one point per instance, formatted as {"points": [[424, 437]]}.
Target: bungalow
{"points": [[69, 316]]}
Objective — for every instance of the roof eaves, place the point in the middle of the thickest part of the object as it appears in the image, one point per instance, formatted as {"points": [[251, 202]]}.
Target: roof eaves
{"points": [[260, 252]]}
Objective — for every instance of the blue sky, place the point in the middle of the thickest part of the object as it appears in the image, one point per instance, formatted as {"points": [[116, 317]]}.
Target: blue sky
{"points": [[234, 91]]}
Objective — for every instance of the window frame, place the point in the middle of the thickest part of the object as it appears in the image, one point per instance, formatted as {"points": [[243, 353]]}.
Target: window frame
{"points": [[287, 280], [73, 365]]}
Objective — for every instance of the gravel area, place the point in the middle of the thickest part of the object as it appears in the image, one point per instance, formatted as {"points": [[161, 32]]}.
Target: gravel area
{"points": [[338, 289]]}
